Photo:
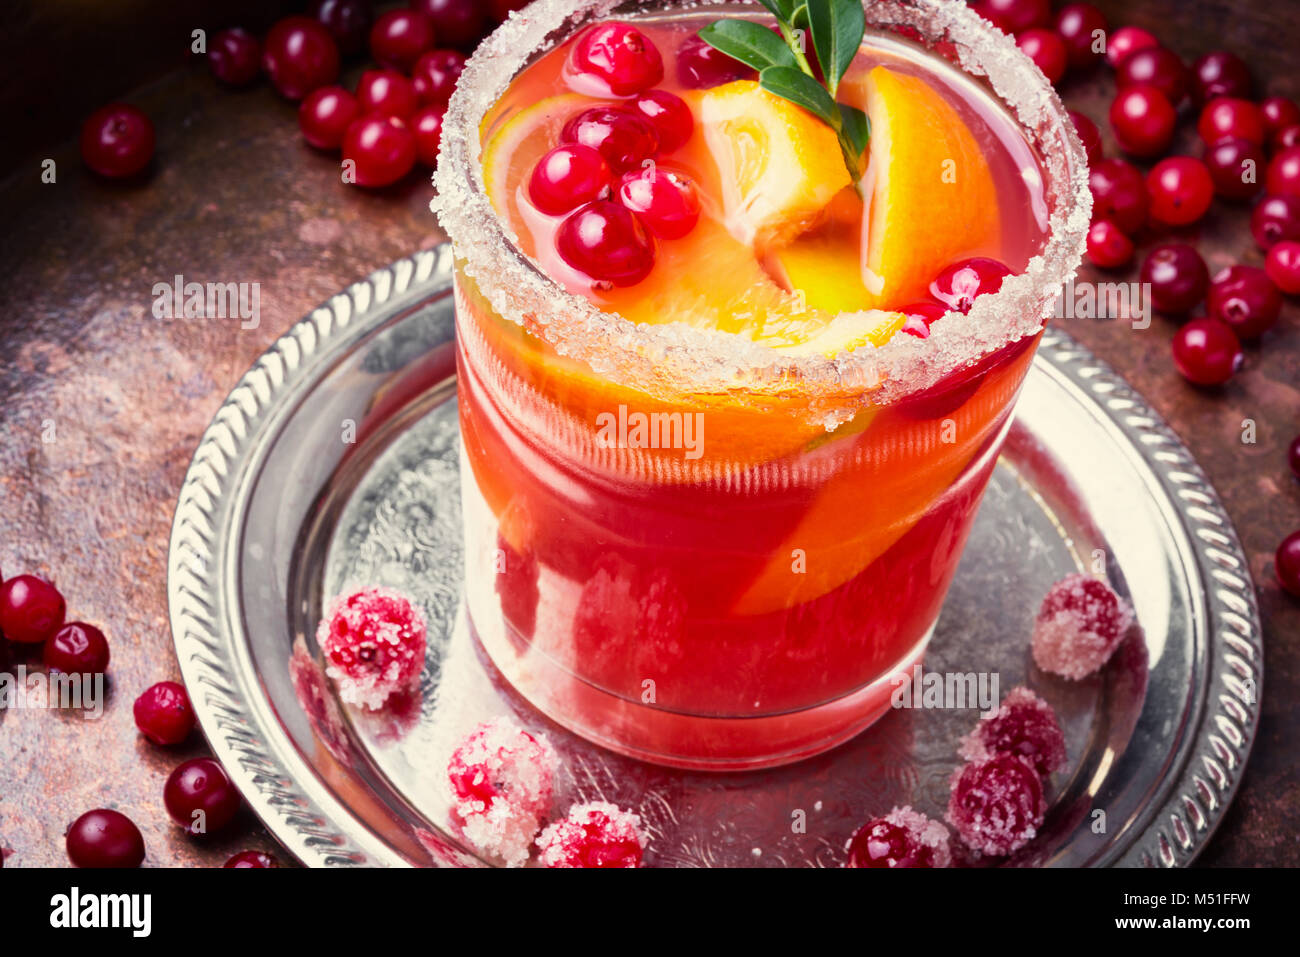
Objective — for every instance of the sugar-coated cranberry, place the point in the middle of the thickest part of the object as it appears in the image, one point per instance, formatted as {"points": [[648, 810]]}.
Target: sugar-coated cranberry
{"points": [[1047, 50], [1206, 352], [1275, 218], [700, 66], [399, 37], [374, 641], [1286, 137], [348, 22], [1126, 41], [1081, 26], [426, 126], [622, 137], [597, 834], [1119, 193], [1016, 16], [618, 57], [1220, 73], [1024, 725], [1228, 117], [1079, 625], [386, 91], [1244, 299], [665, 201], [1108, 246], [117, 140], [105, 839], [251, 859], [669, 115], [457, 23], [381, 148], [200, 797], [568, 177], [235, 57], [920, 315], [76, 649], [997, 805], [1234, 167], [1283, 177], [1158, 67], [1286, 563], [299, 56], [163, 713], [902, 838], [1089, 134], [325, 115], [1180, 190], [959, 284], [1177, 276], [606, 241], [1278, 113], [1143, 120], [31, 609], [436, 74], [1283, 266]]}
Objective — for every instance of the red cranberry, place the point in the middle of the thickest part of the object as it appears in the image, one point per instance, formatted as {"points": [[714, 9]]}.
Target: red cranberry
{"points": [[1158, 67], [1275, 219], [1081, 25], [200, 797], [666, 202], [621, 58], [436, 73], [1286, 137], [1244, 299], [997, 805], [902, 838], [1177, 276], [163, 713], [1286, 563], [669, 115], [1016, 16], [348, 22], [1227, 118], [700, 66], [234, 57], [501, 9], [607, 242], [1234, 167], [1284, 172], [77, 649], [924, 313], [1278, 113], [457, 23], [105, 838], [958, 286], [1108, 247], [117, 140], [426, 125], [31, 609], [1293, 456], [399, 37], [623, 138], [1283, 266], [300, 56], [251, 859], [382, 149], [1089, 134], [1126, 41], [1119, 193], [325, 115], [1220, 74], [568, 177], [1206, 352], [1143, 120], [386, 91], [1047, 50], [1180, 189]]}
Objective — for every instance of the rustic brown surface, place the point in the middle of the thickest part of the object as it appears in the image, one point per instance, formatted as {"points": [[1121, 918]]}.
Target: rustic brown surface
{"points": [[234, 196]]}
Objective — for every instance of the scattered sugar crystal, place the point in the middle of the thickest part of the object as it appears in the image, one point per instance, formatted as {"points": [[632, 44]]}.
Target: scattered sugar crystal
{"points": [[997, 806], [902, 838], [373, 641], [501, 779], [1024, 725], [598, 834], [1080, 624]]}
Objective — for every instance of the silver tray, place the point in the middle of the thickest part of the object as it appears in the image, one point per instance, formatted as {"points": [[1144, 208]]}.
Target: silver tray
{"points": [[279, 512]]}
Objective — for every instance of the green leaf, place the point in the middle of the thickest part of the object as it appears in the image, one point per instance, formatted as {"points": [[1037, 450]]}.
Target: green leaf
{"points": [[799, 19], [800, 89], [746, 41], [837, 27], [855, 127], [781, 9]]}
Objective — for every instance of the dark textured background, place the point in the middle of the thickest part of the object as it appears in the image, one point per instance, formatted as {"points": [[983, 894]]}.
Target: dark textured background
{"points": [[234, 196]]}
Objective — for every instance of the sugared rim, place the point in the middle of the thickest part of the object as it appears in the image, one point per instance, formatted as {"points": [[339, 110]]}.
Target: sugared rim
{"points": [[674, 361]]}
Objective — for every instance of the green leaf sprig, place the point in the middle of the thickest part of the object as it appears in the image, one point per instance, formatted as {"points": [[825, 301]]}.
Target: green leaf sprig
{"points": [[835, 28]]}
